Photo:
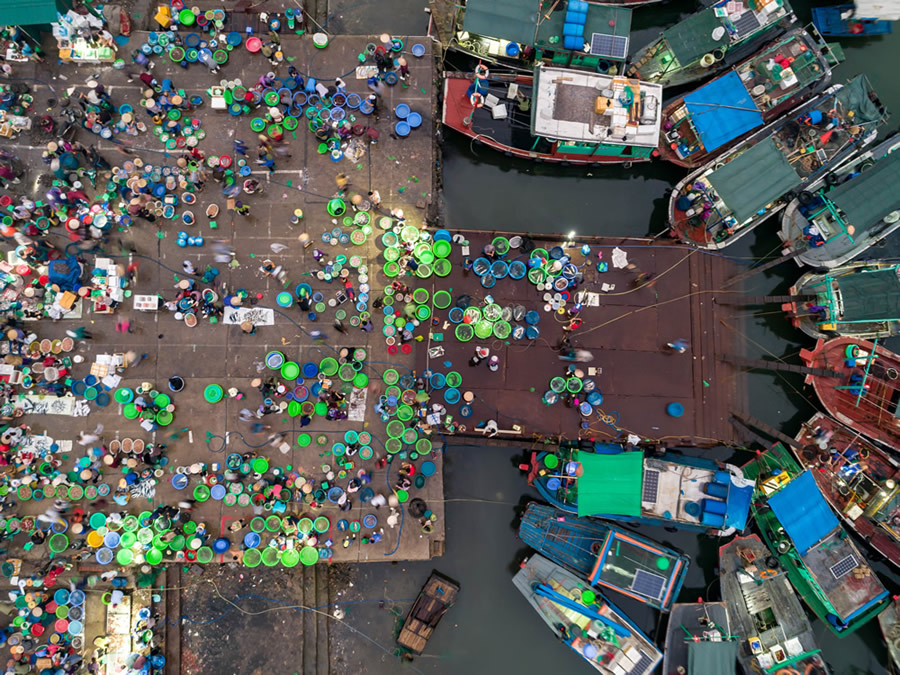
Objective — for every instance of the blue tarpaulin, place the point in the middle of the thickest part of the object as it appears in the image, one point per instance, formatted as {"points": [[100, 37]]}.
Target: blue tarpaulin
{"points": [[803, 512], [737, 504], [722, 111]]}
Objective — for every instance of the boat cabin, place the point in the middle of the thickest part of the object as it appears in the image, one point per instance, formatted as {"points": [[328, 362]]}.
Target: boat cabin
{"points": [[591, 113], [704, 37]]}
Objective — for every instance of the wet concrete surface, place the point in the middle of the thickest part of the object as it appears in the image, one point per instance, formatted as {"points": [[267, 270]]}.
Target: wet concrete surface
{"points": [[222, 354]]}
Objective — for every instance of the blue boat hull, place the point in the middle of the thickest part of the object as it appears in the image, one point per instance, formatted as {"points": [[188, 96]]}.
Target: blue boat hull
{"points": [[828, 21]]}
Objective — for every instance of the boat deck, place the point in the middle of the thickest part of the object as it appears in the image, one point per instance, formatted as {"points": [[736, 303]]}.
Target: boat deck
{"points": [[626, 328], [679, 486], [843, 574], [765, 609], [697, 620], [435, 598]]}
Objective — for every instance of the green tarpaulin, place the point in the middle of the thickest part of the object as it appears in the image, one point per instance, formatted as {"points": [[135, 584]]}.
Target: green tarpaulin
{"points": [[513, 20], [690, 39], [855, 95], [753, 179], [610, 484], [869, 197], [27, 12], [870, 296], [712, 658]]}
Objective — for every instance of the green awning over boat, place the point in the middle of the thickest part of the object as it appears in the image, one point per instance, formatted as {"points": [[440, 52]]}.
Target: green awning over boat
{"points": [[870, 196], [513, 20], [712, 658], [753, 179], [855, 96], [27, 12], [870, 296], [690, 39], [610, 484]]}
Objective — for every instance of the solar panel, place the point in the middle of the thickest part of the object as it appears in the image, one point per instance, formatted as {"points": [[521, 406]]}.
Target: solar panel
{"points": [[641, 667], [650, 488], [609, 46], [647, 584], [746, 24], [845, 566]]}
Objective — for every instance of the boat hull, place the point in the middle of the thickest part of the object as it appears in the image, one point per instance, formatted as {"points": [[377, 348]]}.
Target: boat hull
{"points": [[878, 535], [889, 620], [828, 21], [806, 322], [875, 414], [691, 617], [455, 114]]}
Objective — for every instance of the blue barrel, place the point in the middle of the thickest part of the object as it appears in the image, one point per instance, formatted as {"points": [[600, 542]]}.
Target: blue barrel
{"points": [[717, 490], [714, 506], [675, 409], [570, 29], [573, 42], [553, 484]]}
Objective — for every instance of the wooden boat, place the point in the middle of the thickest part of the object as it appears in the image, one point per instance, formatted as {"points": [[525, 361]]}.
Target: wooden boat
{"points": [[585, 620], [689, 493], [864, 392], [859, 479], [699, 639], [847, 210], [818, 556], [700, 126], [765, 613], [859, 300], [725, 199], [889, 620], [845, 21], [606, 556], [436, 597], [519, 33], [709, 41], [557, 115]]}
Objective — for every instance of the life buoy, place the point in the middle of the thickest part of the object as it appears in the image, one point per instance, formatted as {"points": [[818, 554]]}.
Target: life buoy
{"points": [[767, 574], [477, 100], [481, 71]]}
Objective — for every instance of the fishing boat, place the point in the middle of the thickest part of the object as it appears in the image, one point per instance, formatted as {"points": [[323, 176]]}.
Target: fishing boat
{"points": [[889, 620], [556, 115], [436, 597], [606, 556], [689, 493], [859, 300], [700, 126], [585, 620], [850, 21], [715, 38], [847, 210], [861, 387], [860, 481], [699, 640], [818, 556], [765, 612], [519, 33], [728, 197]]}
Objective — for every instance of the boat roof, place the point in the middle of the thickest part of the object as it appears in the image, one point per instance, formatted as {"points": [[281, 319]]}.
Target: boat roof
{"points": [[566, 102], [601, 19], [692, 37], [513, 20], [722, 111], [522, 21], [870, 296], [610, 484], [803, 512], [756, 177], [871, 195], [712, 658]]}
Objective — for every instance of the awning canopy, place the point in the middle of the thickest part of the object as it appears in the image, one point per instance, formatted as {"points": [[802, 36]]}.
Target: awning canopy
{"points": [[722, 111], [610, 484], [27, 12], [712, 658], [803, 512], [870, 296], [753, 179], [871, 195], [513, 20], [737, 503], [691, 38]]}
